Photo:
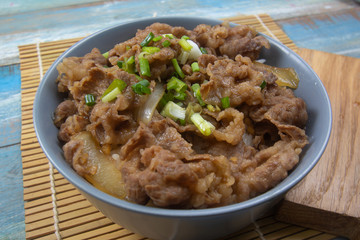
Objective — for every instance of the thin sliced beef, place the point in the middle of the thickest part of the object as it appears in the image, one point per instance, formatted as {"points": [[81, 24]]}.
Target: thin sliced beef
{"points": [[73, 125], [64, 110], [223, 40], [232, 79]]}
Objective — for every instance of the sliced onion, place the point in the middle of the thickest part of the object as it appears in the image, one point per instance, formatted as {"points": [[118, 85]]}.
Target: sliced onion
{"points": [[195, 51], [147, 110]]}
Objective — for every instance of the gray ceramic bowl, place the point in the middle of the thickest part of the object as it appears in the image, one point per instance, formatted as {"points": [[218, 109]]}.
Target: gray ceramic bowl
{"points": [[184, 224]]}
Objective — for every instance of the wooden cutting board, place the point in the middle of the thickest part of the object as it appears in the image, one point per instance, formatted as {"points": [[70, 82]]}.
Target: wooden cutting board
{"points": [[328, 199]]}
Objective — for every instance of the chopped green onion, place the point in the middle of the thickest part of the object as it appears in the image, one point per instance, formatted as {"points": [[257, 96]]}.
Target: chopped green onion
{"points": [[169, 35], [131, 60], [173, 111], [144, 67], [196, 89], [182, 122], [89, 100], [158, 38], [263, 85], [128, 64], [180, 96], [177, 68], [141, 87], [166, 43], [120, 64], [147, 39], [151, 50], [225, 102], [169, 96], [176, 84], [106, 55], [111, 95], [185, 45], [184, 56], [210, 108], [181, 104], [203, 50], [191, 109], [138, 77], [205, 127], [195, 67], [117, 83], [128, 48], [185, 37]]}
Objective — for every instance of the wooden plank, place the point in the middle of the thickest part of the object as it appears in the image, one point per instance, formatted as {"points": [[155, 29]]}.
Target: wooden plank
{"points": [[11, 202], [326, 31], [328, 198], [84, 19]]}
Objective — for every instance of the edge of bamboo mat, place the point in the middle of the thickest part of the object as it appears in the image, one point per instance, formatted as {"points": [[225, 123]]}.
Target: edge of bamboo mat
{"points": [[54, 209]]}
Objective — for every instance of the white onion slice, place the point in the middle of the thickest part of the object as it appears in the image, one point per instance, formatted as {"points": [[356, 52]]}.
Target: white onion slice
{"points": [[147, 110], [195, 52]]}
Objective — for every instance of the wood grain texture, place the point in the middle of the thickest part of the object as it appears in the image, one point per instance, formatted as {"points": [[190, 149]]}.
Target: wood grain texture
{"points": [[328, 199], [336, 32], [39, 21]]}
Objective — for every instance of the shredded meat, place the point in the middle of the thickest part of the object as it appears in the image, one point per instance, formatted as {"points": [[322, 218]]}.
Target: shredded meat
{"points": [[167, 162]]}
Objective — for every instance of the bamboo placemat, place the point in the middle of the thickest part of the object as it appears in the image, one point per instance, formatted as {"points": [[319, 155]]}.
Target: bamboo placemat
{"points": [[54, 209]]}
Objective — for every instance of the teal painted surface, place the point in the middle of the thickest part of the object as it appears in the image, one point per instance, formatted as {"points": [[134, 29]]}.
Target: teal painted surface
{"points": [[12, 220], [12, 225], [338, 34], [54, 20], [10, 105]]}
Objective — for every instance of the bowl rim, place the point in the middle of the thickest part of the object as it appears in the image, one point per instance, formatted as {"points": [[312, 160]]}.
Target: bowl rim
{"points": [[87, 188]]}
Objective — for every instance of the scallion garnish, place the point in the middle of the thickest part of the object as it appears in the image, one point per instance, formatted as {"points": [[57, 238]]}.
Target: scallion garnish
{"points": [[225, 102], [180, 96], [185, 37], [195, 67], [263, 85], [90, 100], [106, 55], [130, 60], [128, 48], [141, 87], [169, 35], [185, 45], [211, 108], [117, 83], [144, 67], [203, 50], [151, 50], [176, 84], [169, 96], [205, 127], [177, 68], [173, 111], [115, 88], [147, 39], [111, 95], [158, 38], [196, 89], [120, 64], [128, 64], [166, 43]]}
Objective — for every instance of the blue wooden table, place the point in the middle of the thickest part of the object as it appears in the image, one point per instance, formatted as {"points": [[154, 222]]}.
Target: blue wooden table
{"points": [[326, 25]]}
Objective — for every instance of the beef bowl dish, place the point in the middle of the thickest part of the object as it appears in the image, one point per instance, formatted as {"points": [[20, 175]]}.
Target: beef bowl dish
{"points": [[182, 128]]}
